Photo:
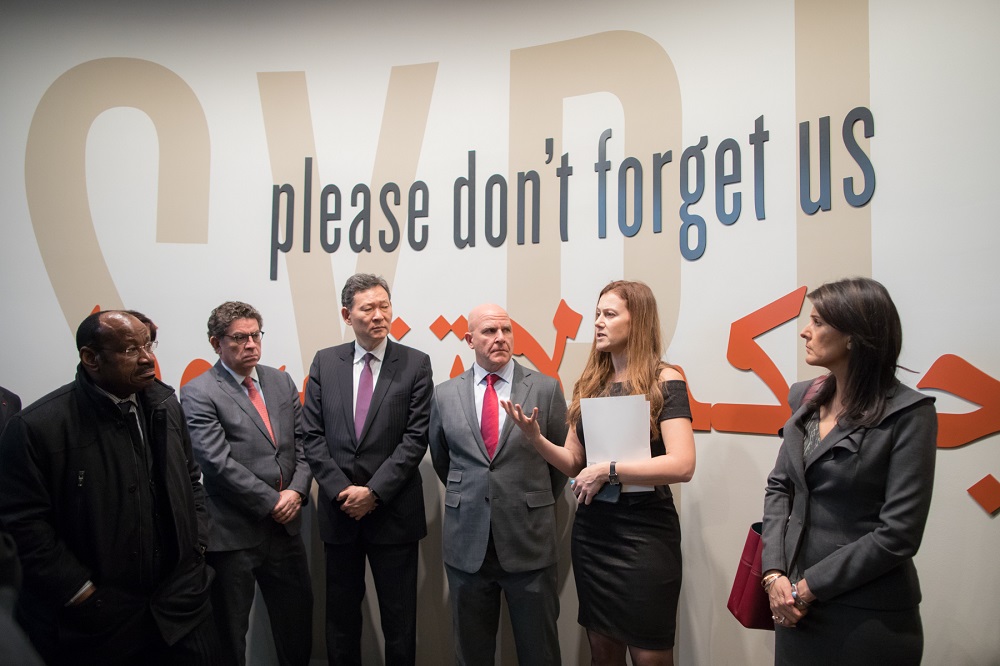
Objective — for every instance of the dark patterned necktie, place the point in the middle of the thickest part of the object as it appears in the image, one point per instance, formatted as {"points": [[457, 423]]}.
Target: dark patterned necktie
{"points": [[365, 387]]}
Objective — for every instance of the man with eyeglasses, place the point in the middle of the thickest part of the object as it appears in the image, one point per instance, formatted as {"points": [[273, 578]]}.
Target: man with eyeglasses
{"points": [[99, 488], [246, 430]]}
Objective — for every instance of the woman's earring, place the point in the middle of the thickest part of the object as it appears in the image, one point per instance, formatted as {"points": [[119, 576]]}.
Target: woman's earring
{"points": [[848, 344]]}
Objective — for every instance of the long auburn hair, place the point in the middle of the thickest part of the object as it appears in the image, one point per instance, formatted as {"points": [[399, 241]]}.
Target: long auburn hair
{"points": [[862, 309], [644, 348]]}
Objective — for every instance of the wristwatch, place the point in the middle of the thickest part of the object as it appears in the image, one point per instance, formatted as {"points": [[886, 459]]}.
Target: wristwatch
{"points": [[613, 475]]}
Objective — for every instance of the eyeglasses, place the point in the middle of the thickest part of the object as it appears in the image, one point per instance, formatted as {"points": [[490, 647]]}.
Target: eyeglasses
{"points": [[241, 338], [133, 352]]}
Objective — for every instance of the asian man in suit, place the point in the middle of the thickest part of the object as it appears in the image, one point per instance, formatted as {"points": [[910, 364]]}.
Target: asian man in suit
{"points": [[245, 425], [506, 543], [366, 415]]}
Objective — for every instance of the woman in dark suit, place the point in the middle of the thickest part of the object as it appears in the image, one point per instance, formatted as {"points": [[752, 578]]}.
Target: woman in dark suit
{"points": [[626, 553], [847, 501]]}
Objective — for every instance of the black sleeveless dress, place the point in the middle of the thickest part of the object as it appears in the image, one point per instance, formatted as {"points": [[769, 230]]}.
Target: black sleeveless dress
{"points": [[627, 555]]}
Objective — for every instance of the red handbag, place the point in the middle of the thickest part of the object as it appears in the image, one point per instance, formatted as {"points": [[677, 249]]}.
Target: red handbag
{"points": [[748, 601]]}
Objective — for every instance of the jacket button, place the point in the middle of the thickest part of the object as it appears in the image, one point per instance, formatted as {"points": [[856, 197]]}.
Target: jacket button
{"points": [[487, 499], [131, 488]]}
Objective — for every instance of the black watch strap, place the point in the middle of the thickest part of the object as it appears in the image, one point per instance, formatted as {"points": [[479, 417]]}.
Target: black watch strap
{"points": [[613, 475]]}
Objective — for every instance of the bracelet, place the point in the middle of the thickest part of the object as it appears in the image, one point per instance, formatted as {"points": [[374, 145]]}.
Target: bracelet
{"points": [[800, 603], [767, 580]]}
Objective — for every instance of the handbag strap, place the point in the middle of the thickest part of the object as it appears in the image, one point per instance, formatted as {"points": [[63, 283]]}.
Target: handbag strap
{"points": [[813, 389]]}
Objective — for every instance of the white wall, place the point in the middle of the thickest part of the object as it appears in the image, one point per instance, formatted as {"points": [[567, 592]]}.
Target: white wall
{"points": [[679, 71]]}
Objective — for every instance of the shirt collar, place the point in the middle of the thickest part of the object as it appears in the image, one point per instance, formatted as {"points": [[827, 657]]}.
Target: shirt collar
{"points": [[378, 352], [115, 399], [505, 373], [237, 376]]}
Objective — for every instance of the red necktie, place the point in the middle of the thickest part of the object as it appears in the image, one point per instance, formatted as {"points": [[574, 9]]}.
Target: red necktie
{"points": [[365, 387], [258, 403], [490, 424]]}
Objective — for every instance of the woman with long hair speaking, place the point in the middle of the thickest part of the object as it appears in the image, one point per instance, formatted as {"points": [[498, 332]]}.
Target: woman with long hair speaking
{"points": [[626, 553]]}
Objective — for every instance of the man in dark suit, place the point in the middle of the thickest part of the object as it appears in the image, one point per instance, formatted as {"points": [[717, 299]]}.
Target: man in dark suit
{"points": [[245, 424], [10, 404], [507, 542], [99, 488], [366, 413]]}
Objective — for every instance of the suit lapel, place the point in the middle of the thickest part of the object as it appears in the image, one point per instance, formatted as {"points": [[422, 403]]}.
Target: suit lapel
{"points": [[345, 385], [386, 374], [269, 389], [467, 398], [848, 437], [229, 386]]}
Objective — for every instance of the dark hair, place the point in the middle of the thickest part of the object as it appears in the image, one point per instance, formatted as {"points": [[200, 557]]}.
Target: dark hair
{"points": [[91, 331], [224, 315], [147, 322], [362, 282], [862, 309]]}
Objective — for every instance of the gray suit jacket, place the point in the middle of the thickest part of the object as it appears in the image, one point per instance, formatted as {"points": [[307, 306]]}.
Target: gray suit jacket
{"points": [[242, 467], [850, 517], [515, 493]]}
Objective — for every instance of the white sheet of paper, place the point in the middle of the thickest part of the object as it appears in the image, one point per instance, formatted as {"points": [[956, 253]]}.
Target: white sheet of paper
{"points": [[616, 428]]}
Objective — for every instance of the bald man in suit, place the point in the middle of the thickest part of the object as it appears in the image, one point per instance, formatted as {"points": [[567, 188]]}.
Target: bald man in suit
{"points": [[507, 543], [245, 425]]}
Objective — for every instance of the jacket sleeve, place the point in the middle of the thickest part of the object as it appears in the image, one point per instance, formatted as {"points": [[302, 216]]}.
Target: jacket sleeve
{"points": [[302, 478], [438, 442], [555, 432], [326, 471], [777, 510], [909, 481], [779, 493], [27, 513]]}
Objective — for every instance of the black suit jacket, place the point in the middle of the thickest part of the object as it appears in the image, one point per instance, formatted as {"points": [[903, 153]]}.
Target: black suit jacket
{"points": [[10, 404], [67, 482], [388, 453]]}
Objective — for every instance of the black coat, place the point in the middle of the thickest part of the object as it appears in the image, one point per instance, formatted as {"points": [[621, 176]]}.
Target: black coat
{"points": [[68, 497]]}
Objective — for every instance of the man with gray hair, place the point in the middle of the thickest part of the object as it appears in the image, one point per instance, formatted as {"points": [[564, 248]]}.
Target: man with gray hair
{"points": [[245, 424], [366, 413]]}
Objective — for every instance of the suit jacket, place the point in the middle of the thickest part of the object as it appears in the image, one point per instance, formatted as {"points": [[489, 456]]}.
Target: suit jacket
{"points": [[243, 469], [10, 404], [386, 456], [518, 486], [67, 496], [850, 517]]}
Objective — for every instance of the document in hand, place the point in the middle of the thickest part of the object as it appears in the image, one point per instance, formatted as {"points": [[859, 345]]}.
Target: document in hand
{"points": [[616, 428]]}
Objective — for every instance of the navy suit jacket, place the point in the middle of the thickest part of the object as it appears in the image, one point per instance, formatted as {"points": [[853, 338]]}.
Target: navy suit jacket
{"points": [[386, 456], [242, 467]]}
